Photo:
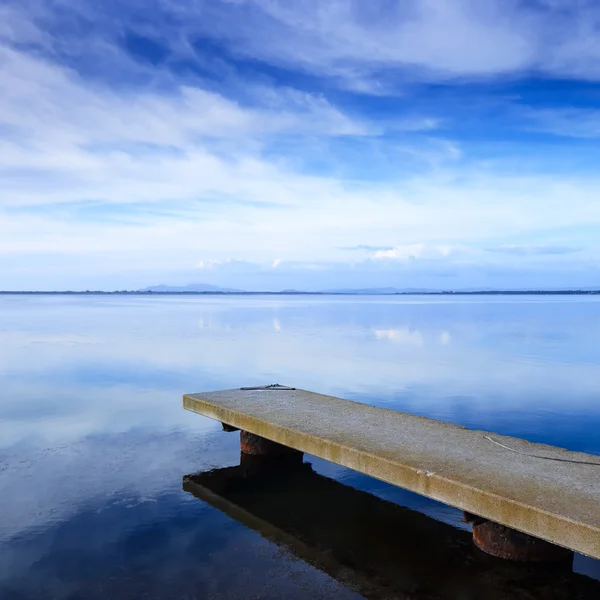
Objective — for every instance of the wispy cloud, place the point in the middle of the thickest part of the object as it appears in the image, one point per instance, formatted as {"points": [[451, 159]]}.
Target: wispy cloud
{"points": [[229, 265], [568, 122], [375, 49], [355, 44], [212, 263], [534, 250], [413, 252], [367, 248], [196, 137]]}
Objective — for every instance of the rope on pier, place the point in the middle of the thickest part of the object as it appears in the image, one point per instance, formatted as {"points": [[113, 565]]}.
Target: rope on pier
{"points": [[273, 386], [579, 462]]}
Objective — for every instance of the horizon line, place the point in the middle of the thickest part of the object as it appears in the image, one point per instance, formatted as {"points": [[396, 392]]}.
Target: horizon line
{"points": [[357, 292]]}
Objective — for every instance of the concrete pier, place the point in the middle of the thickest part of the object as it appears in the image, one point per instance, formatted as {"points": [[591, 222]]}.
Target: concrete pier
{"points": [[543, 491]]}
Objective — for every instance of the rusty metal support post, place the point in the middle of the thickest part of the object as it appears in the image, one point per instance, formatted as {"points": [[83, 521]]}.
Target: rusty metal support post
{"points": [[262, 457], [251, 443], [504, 542]]}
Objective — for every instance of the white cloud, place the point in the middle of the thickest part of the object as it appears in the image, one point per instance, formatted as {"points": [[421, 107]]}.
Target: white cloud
{"points": [[229, 265], [355, 42], [135, 180], [373, 47], [367, 248], [349, 40], [212, 263], [534, 249], [47, 106], [413, 251], [568, 122]]}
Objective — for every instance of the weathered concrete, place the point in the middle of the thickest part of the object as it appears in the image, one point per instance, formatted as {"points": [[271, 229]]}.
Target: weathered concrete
{"points": [[553, 500]]}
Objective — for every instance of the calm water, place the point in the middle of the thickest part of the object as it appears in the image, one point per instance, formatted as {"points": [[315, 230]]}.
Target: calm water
{"points": [[94, 443]]}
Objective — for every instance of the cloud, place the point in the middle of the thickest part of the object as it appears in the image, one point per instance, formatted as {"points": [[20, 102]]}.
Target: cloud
{"points": [[567, 122], [367, 248], [534, 250], [227, 264], [87, 124], [212, 263], [413, 252], [142, 147], [363, 47], [308, 266], [377, 48]]}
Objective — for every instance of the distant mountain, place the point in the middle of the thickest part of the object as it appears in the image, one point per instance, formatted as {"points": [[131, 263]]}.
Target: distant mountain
{"points": [[200, 288], [383, 290], [192, 287]]}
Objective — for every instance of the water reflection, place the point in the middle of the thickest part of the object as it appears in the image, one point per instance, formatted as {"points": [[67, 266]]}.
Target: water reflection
{"points": [[108, 519], [374, 546], [93, 439], [402, 336], [520, 367]]}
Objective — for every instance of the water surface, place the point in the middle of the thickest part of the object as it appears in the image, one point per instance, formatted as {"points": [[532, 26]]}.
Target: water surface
{"points": [[94, 442]]}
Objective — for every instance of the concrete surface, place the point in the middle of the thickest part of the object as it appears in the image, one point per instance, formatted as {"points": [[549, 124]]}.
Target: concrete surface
{"points": [[555, 501]]}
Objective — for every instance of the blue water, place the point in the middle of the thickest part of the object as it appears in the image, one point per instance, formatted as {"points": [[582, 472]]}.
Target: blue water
{"points": [[94, 442]]}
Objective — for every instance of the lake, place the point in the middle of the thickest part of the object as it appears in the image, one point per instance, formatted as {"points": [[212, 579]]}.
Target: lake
{"points": [[94, 443]]}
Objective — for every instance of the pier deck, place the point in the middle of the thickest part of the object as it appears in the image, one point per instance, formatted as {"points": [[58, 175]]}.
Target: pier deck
{"points": [[557, 500]]}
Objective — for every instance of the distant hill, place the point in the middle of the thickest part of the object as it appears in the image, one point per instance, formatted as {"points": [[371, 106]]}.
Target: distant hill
{"points": [[192, 287], [383, 290], [205, 288]]}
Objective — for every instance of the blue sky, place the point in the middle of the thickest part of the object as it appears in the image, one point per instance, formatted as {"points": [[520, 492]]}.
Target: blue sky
{"points": [[267, 144]]}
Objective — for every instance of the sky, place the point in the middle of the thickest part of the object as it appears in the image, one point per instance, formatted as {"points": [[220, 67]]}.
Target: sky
{"points": [[271, 144]]}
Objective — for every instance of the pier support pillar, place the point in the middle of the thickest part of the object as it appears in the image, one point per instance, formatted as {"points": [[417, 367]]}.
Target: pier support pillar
{"points": [[504, 542], [260, 456], [251, 443]]}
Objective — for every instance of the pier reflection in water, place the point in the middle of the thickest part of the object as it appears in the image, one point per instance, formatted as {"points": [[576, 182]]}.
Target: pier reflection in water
{"points": [[378, 548]]}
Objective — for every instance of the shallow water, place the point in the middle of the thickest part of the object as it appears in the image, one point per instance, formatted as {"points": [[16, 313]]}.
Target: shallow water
{"points": [[94, 443]]}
